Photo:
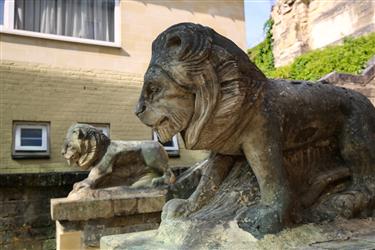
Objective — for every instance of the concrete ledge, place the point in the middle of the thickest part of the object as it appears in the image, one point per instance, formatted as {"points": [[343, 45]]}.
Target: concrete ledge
{"points": [[342, 78], [81, 222], [111, 202]]}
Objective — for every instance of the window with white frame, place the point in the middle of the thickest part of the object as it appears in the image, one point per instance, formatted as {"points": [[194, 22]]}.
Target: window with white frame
{"points": [[171, 146], [30, 139], [88, 21]]}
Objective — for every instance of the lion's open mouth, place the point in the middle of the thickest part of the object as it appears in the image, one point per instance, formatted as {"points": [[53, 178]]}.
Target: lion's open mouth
{"points": [[162, 122], [72, 160], [163, 129]]}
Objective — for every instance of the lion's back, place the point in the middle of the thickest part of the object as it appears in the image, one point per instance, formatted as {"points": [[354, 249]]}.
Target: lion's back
{"points": [[321, 96], [150, 153]]}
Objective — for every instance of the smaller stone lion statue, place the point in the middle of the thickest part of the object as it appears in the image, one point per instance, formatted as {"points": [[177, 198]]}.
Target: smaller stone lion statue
{"points": [[115, 163]]}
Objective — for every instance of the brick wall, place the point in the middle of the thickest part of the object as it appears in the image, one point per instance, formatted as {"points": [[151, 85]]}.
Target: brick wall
{"points": [[62, 96], [25, 221]]}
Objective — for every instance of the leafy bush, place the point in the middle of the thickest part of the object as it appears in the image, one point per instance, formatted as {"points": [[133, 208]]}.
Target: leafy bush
{"points": [[262, 54], [349, 57]]}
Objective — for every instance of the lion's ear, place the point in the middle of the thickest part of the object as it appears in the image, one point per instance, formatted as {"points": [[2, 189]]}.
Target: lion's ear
{"points": [[173, 42], [79, 132], [174, 45], [190, 43]]}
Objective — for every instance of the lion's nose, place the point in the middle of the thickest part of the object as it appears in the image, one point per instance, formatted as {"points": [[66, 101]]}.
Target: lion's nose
{"points": [[140, 108]]}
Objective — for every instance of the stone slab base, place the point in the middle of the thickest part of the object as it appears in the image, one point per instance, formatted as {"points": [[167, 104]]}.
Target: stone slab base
{"points": [[107, 203], [341, 234], [82, 220]]}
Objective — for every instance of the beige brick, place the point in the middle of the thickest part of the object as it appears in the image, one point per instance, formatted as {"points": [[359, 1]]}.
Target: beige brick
{"points": [[63, 96]]}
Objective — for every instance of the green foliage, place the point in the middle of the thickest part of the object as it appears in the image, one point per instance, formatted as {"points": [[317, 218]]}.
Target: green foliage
{"points": [[349, 57], [280, 72], [262, 54]]}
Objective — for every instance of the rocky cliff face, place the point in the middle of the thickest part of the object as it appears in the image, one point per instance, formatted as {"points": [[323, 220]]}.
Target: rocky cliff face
{"points": [[302, 25]]}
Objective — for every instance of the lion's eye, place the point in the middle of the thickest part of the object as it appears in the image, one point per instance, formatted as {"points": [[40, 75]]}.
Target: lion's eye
{"points": [[152, 90]]}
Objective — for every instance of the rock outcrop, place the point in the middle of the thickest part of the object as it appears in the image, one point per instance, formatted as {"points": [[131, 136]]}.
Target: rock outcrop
{"points": [[302, 25]]}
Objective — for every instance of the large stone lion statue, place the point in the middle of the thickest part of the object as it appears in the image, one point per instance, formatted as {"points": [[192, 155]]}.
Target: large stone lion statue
{"points": [[115, 163], [310, 145]]}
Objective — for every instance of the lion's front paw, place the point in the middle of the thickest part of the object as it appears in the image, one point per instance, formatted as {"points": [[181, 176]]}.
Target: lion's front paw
{"points": [[167, 179], [260, 220], [82, 185], [157, 182], [177, 208]]}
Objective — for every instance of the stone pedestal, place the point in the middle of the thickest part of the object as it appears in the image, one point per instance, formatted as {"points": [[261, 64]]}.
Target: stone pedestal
{"points": [[80, 222]]}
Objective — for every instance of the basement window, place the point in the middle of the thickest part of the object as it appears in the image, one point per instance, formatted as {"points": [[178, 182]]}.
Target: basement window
{"points": [[171, 146], [30, 140]]}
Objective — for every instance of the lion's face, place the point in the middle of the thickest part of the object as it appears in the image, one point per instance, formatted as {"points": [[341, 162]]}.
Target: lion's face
{"points": [[81, 146], [196, 80], [163, 105], [72, 147]]}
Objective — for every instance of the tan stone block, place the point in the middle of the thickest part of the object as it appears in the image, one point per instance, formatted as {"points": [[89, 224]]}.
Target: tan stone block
{"points": [[108, 203], [67, 209], [149, 205], [69, 241], [124, 206]]}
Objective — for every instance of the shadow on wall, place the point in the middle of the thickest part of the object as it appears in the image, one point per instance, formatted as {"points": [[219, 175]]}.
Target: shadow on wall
{"points": [[193, 7], [56, 44]]}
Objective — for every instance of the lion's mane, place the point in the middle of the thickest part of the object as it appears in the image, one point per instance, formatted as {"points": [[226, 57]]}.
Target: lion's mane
{"points": [[93, 144], [218, 72]]}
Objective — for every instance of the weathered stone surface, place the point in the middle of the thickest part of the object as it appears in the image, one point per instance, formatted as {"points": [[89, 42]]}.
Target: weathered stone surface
{"points": [[114, 163], [283, 152], [302, 25], [108, 203], [93, 230], [341, 234]]}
